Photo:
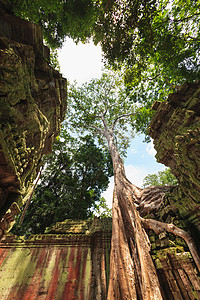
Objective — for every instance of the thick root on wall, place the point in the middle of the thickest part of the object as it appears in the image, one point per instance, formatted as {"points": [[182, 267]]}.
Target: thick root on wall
{"points": [[132, 272], [159, 227], [122, 277]]}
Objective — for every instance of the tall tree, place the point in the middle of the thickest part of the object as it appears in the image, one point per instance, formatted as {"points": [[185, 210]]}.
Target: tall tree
{"points": [[74, 176], [103, 108]]}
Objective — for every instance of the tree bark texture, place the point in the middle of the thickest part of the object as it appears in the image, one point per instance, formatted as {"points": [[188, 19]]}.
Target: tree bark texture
{"points": [[132, 271]]}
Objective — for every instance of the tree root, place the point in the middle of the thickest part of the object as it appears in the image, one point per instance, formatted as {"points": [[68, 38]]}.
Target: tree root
{"points": [[159, 227], [151, 199]]}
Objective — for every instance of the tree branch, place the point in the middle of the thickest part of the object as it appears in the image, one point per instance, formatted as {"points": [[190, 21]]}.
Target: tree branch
{"points": [[80, 106], [158, 227], [87, 113], [191, 37], [120, 117], [104, 124], [105, 112], [185, 19], [94, 127], [153, 78], [108, 3]]}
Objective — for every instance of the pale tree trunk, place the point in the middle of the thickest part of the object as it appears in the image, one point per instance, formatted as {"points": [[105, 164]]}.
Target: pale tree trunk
{"points": [[132, 272]]}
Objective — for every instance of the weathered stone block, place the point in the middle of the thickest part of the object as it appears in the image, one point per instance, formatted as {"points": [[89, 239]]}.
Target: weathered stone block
{"points": [[175, 129], [32, 106]]}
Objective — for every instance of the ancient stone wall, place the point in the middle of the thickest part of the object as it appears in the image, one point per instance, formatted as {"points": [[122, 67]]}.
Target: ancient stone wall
{"points": [[176, 269], [32, 106], [70, 262], [175, 129]]}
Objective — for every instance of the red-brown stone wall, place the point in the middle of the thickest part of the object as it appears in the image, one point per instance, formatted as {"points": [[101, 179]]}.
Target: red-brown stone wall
{"points": [[61, 267]]}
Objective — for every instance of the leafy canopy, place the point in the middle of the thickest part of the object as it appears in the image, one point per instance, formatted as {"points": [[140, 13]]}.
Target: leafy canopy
{"points": [[75, 174], [103, 98], [58, 19], [164, 33], [155, 42], [161, 178]]}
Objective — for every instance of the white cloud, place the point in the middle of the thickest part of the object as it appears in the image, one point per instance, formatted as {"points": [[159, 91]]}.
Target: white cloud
{"points": [[108, 194], [80, 62], [136, 174], [133, 151], [150, 149]]}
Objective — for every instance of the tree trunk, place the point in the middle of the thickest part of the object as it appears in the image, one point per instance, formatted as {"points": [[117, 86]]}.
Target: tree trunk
{"points": [[132, 272]]}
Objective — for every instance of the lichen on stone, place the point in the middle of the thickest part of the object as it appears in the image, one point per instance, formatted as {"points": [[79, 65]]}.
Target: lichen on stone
{"points": [[33, 103]]}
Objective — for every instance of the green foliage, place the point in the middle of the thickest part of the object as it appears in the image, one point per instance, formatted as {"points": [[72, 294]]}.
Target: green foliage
{"points": [[75, 174], [155, 42], [165, 33], [54, 63], [143, 117], [58, 19], [102, 210], [161, 178], [104, 97], [120, 26]]}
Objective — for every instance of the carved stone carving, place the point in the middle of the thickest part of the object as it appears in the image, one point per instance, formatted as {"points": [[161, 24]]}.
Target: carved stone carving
{"points": [[32, 106]]}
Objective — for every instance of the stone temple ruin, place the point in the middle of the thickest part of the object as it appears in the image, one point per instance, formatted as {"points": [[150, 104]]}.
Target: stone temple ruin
{"points": [[71, 260]]}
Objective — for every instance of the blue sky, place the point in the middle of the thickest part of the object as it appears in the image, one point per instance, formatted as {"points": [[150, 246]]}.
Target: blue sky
{"points": [[140, 162], [142, 154], [84, 62]]}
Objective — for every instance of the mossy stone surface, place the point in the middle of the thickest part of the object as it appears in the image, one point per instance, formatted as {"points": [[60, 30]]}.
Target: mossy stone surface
{"points": [[33, 99]]}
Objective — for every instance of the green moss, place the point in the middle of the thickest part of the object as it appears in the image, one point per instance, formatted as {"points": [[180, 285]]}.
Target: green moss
{"points": [[152, 239], [163, 253], [47, 272], [88, 275], [23, 269], [87, 227], [158, 264]]}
